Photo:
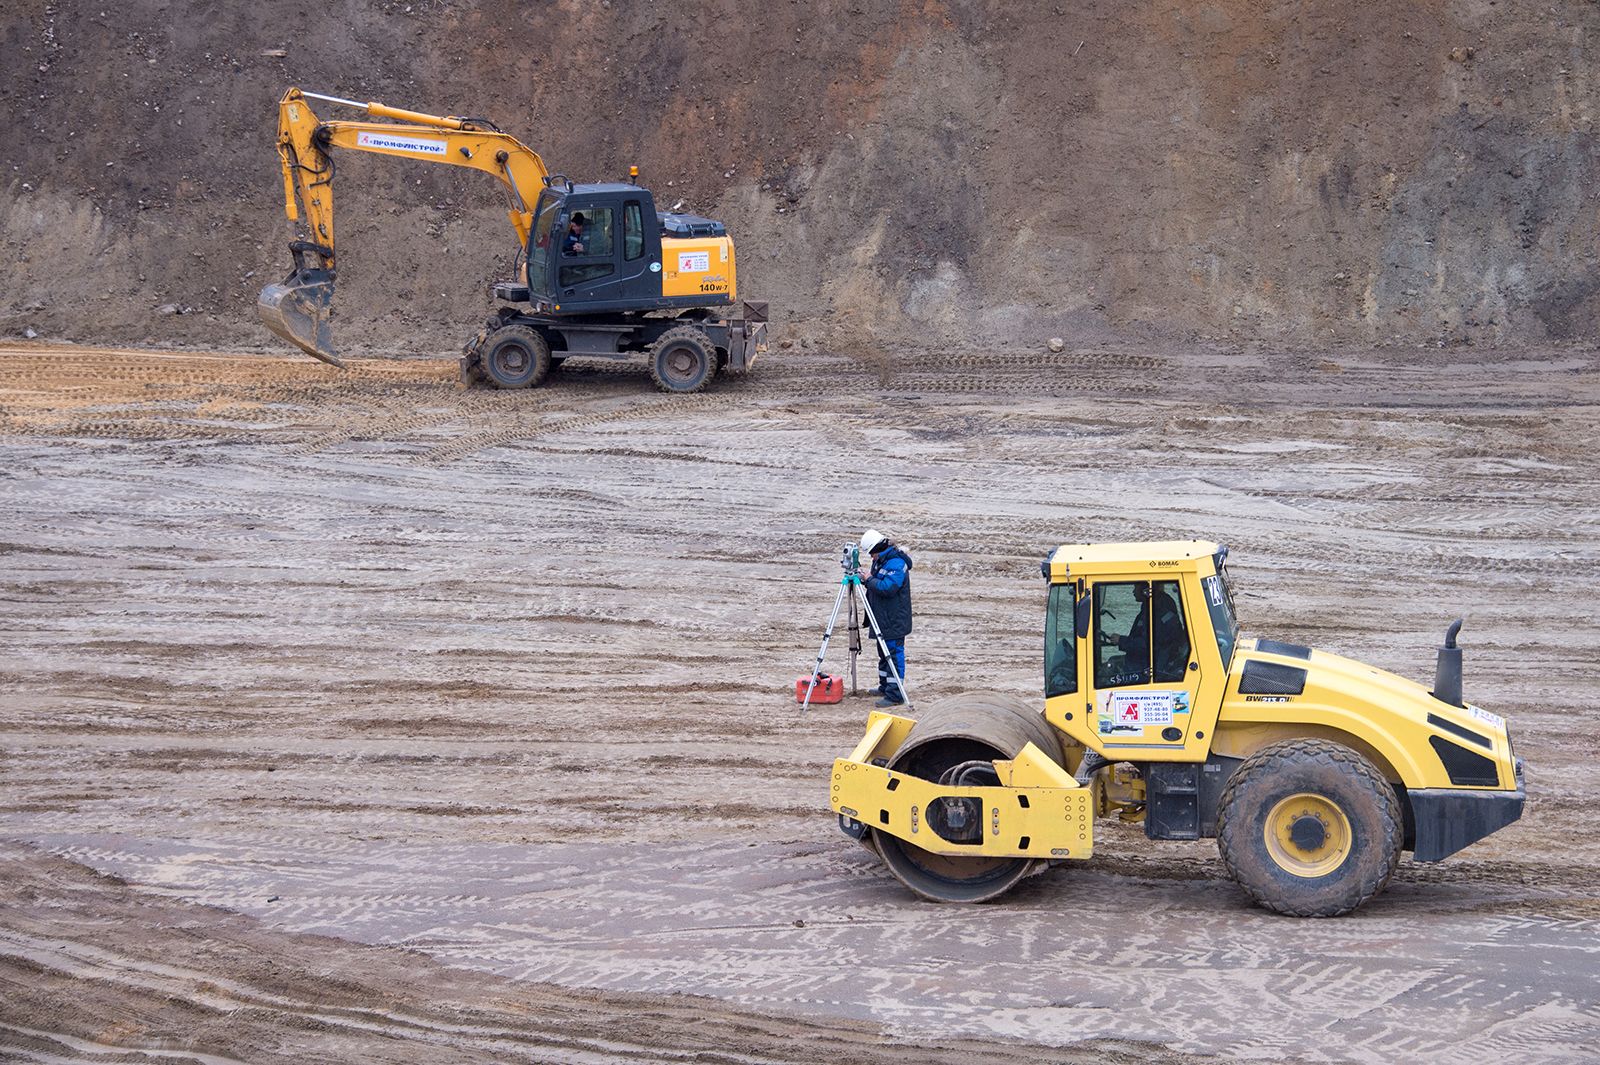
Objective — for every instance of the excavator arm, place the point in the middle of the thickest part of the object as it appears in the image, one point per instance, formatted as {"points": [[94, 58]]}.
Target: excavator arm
{"points": [[298, 308]]}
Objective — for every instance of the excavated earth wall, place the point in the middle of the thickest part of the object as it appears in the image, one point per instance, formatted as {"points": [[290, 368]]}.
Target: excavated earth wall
{"points": [[926, 174]]}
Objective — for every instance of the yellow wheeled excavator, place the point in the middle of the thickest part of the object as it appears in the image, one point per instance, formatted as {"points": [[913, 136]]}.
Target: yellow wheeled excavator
{"points": [[1312, 771], [604, 275]]}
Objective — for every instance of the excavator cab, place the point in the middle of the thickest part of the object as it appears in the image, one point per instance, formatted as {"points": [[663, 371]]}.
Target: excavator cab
{"points": [[603, 248]]}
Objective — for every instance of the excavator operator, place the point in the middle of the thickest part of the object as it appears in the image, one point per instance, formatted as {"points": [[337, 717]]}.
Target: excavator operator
{"points": [[574, 243]]}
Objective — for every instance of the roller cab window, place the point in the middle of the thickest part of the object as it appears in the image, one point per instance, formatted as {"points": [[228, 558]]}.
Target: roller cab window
{"points": [[1219, 603], [1060, 643], [1140, 635]]}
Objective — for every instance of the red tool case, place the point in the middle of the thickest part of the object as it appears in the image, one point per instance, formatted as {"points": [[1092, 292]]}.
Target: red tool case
{"points": [[829, 689]]}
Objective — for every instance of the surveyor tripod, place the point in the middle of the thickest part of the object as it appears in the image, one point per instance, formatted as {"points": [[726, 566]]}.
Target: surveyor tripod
{"points": [[852, 589]]}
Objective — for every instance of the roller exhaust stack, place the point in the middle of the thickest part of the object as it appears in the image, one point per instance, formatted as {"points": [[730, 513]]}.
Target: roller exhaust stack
{"points": [[1447, 674], [299, 307]]}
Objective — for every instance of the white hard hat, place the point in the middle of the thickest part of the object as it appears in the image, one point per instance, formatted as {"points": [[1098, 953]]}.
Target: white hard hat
{"points": [[871, 539]]}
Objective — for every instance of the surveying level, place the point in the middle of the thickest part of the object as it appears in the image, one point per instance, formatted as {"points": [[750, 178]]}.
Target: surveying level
{"points": [[852, 588]]}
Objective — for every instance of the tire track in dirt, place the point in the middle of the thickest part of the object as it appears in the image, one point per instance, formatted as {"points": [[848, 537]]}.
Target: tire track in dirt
{"points": [[479, 441], [605, 917], [400, 419], [369, 626], [216, 987]]}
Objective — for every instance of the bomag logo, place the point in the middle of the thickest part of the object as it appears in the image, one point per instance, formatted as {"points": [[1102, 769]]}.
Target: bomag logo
{"points": [[1163, 565]]}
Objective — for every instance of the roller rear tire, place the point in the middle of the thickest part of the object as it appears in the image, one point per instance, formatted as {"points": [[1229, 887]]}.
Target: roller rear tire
{"points": [[1310, 828]]}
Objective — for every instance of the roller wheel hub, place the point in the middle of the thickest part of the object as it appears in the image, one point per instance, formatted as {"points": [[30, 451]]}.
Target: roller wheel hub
{"points": [[1307, 835]]}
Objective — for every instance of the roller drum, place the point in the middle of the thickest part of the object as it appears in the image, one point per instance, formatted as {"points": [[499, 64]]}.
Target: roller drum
{"points": [[954, 733]]}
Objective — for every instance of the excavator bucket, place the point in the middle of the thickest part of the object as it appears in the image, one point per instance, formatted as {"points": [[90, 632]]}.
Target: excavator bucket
{"points": [[299, 307]]}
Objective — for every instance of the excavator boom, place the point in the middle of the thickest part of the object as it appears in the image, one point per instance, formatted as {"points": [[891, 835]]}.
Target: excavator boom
{"points": [[299, 308]]}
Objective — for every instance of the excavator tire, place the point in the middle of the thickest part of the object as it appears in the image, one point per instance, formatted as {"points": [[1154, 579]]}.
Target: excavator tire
{"points": [[954, 732], [683, 360], [1309, 828], [515, 356]]}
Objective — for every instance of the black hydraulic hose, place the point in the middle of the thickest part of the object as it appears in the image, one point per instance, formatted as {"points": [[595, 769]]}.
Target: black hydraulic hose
{"points": [[1092, 762]]}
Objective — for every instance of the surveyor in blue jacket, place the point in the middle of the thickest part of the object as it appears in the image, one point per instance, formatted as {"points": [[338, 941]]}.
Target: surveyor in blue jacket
{"points": [[889, 595]]}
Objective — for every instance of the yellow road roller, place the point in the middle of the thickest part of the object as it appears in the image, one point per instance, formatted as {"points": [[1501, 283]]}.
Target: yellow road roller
{"points": [[1313, 772]]}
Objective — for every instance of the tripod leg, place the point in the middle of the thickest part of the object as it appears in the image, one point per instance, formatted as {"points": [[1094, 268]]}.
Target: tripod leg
{"points": [[855, 645], [883, 649], [827, 634]]}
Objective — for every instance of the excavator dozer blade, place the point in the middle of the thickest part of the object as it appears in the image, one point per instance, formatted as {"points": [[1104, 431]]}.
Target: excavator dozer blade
{"points": [[298, 309]]}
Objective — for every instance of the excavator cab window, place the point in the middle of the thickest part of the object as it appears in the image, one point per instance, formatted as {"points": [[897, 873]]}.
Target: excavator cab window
{"points": [[540, 241], [589, 256], [632, 230], [589, 234]]}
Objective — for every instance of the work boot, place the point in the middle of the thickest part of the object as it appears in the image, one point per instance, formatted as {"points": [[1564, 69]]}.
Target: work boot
{"points": [[889, 700]]}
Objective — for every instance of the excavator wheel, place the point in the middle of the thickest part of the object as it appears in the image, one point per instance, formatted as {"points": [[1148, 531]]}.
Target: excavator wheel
{"points": [[957, 736], [515, 356], [683, 360]]}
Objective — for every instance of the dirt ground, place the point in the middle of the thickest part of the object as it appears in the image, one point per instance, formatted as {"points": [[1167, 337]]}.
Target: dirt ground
{"points": [[357, 717]]}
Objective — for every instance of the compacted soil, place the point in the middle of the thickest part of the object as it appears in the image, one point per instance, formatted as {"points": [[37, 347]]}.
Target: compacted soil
{"points": [[353, 716]]}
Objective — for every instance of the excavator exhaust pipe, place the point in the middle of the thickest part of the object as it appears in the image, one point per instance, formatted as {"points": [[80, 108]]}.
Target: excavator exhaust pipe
{"points": [[299, 307]]}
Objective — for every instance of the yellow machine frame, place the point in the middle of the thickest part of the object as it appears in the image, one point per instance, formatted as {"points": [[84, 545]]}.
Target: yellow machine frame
{"points": [[1038, 811]]}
